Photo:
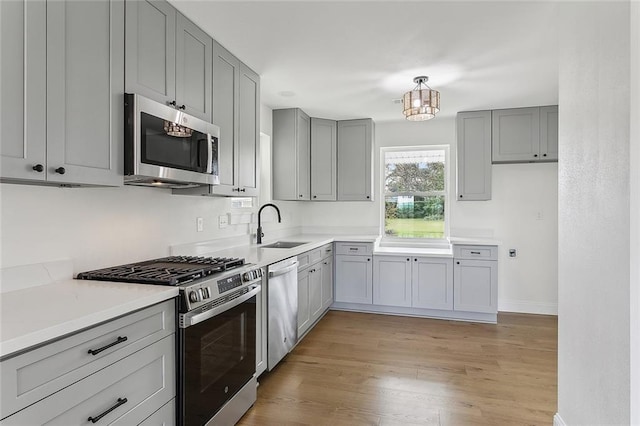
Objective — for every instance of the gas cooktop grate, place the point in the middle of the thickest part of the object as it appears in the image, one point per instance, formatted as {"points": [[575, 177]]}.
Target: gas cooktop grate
{"points": [[173, 270]]}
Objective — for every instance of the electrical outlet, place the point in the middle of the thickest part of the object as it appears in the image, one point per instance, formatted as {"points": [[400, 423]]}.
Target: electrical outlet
{"points": [[223, 221], [539, 215], [513, 253], [199, 224]]}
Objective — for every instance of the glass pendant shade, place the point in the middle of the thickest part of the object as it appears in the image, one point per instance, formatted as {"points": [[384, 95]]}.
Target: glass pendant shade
{"points": [[421, 103], [174, 129]]}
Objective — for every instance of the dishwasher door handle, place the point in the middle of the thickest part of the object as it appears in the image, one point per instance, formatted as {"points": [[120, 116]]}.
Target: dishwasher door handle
{"points": [[283, 271]]}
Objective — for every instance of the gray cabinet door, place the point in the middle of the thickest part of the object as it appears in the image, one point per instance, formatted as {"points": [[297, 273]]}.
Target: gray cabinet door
{"points": [[23, 89], [291, 156], [194, 49], [85, 82], [150, 50], [261, 331], [303, 157], [304, 312], [392, 280], [515, 134], [432, 283], [355, 160], [474, 155], [226, 68], [248, 131], [315, 291], [327, 283], [324, 159], [354, 279], [549, 133], [475, 286]]}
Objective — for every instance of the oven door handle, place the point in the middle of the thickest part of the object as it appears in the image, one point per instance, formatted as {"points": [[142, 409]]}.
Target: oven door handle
{"points": [[190, 319]]}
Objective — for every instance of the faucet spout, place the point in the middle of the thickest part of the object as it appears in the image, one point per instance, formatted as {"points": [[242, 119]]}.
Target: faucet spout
{"points": [[259, 233]]}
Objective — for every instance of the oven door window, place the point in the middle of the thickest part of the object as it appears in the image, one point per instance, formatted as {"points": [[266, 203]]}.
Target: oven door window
{"points": [[219, 359], [189, 151]]}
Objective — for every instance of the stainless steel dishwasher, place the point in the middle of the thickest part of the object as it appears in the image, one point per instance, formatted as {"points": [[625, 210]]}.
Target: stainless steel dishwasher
{"points": [[282, 288]]}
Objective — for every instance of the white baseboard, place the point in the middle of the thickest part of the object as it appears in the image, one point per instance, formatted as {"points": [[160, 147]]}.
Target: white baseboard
{"points": [[526, 307], [557, 420]]}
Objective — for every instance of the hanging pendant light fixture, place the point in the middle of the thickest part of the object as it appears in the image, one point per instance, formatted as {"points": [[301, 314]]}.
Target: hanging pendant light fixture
{"points": [[421, 103]]}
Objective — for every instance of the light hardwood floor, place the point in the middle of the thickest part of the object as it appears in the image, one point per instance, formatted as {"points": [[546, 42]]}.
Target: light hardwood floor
{"points": [[364, 369]]}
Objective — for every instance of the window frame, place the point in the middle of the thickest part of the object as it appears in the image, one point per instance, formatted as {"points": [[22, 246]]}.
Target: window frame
{"points": [[386, 240]]}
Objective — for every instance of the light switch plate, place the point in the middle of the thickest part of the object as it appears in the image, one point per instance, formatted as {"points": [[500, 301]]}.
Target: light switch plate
{"points": [[199, 224], [223, 221]]}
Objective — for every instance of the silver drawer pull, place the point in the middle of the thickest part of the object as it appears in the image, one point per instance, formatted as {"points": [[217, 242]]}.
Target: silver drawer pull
{"points": [[475, 252], [353, 248], [121, 401], [104, 348]]}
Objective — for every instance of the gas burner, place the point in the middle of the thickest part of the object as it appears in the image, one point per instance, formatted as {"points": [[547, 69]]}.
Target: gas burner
{"points": [[173, 270]]}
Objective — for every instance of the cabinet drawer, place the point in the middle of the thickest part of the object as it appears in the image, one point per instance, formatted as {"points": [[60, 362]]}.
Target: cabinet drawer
{"points": [[29, 377], [360, 249], [475, 252], [133, 388], [310, 257], [327, 251], [165, 416]]}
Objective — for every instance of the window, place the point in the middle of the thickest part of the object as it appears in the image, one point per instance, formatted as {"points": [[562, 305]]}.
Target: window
{"points": [[415, 192]]}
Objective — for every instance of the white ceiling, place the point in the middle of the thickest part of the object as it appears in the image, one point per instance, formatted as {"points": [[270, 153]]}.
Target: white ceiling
{"points": [[351, 59]]}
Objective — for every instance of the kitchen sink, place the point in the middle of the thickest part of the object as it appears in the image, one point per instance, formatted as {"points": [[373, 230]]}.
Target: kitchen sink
{"points": [[284, 244]]}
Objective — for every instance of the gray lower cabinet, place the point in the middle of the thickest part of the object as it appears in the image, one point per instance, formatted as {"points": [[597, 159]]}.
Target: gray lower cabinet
{"points": [[475, 283], [62, 79], [165, 416], [315, 276], [168, 58], [261, 331], [324, 159], [291, 158], [432, 283], [525, 134], [124, 368], [392, 280], [410, 281], [355, 160], [327, 283], [354, 273], [473, 135]]}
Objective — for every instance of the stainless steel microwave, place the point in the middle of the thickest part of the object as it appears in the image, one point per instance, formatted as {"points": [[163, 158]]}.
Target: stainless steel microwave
{"points": [[167, 148]]}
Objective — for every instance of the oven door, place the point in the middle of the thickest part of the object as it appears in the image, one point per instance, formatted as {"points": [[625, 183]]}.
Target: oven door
{"points": [[217, 358]]}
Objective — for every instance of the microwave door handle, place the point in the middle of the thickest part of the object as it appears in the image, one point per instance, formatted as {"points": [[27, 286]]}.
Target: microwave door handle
{"points": [[209, 154]]}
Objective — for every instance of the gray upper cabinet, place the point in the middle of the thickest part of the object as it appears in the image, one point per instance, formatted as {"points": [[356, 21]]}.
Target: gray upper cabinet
{"points": [[525, 134], [236, 110], [194, 50], [355, 160], [249, 131], [549, 133], [291, 154], [324, 159], [168, 57], [473, 135], [66, 75]]}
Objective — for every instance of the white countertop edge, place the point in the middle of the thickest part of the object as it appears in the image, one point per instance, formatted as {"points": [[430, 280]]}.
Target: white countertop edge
{"points": [[43, 335], [474, 241]]}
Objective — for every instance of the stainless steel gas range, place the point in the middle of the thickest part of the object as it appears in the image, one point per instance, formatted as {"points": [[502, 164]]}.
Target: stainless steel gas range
{"points": [[216, 344]]}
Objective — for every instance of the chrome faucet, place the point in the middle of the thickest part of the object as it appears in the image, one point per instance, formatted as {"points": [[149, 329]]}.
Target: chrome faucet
{"points": [[259, 233]]}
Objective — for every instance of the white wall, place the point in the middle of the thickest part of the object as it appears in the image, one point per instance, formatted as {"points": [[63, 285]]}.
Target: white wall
{"points": [[635, 214], [594, 215], [527, 283], [99, 227]]}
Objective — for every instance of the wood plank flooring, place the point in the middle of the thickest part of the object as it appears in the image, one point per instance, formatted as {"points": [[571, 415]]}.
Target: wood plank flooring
{"points": [[365, 369]]}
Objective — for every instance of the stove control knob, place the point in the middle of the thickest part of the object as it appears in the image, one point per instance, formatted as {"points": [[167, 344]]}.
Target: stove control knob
{"points": [[195, 296], [206, 292], [247, 276]]}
